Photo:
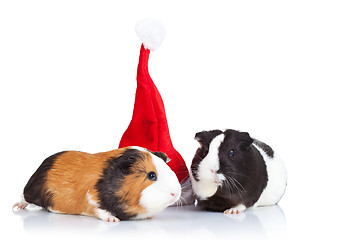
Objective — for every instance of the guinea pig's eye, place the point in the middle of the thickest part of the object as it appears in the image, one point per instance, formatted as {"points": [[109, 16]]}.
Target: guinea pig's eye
{"points": [[151, 176], [232, 153]]}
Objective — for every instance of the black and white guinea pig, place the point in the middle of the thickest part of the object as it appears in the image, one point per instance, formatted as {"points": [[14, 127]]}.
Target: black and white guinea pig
{"points": [[231, 172], [126, 183]]}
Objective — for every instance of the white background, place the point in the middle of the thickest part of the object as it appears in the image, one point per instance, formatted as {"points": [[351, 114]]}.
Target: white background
{"points": [[285, 71]]}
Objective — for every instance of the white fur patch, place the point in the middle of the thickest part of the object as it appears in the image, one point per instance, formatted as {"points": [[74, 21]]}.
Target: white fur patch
{"points": [[105, 215], [156, 197], [277, 178], [53, 211], [209, 181], [236, 210], [90, 200], [138, 148]]}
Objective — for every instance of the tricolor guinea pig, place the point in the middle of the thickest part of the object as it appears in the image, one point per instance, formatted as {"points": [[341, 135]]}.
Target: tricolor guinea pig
{"points": [[231, 172], [126, 183]]}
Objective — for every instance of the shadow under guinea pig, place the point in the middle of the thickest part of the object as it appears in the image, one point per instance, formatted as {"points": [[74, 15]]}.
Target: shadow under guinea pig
{"points": [[173, 223]]}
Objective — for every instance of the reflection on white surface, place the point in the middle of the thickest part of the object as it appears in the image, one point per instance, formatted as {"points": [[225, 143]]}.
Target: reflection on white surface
{"points": [[174, 223]]}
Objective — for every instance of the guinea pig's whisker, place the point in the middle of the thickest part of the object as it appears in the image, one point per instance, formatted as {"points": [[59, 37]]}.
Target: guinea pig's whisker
{"points": [[235, 189], [234, 186], [186, 187], [179, 203], [182, 201], [236, 173], [185, 183], [228, 186], [239, 184]]}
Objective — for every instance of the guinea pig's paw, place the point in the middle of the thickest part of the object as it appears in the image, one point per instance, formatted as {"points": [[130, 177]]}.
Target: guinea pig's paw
{"points": [[235, 210], [18, 206], [106, 216], [113, 219]]}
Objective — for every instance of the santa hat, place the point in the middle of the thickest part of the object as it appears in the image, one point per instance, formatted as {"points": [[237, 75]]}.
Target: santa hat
{"points": [[148, 127]]}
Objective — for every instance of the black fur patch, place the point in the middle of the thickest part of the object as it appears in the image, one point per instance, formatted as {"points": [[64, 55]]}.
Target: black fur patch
{"points": [[161, 155], [204, 138], [34, 191], [267, 149], [110, 182]]}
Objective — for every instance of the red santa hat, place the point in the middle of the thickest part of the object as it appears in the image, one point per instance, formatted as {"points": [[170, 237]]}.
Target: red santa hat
{"points": [[148, 127]]}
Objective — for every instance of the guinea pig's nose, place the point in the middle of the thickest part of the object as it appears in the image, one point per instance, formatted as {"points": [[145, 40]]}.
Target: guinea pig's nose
{"points": [[174, 195]]}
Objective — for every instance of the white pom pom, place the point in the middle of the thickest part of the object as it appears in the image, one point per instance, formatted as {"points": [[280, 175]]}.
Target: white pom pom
{"points": [[151, 33]]}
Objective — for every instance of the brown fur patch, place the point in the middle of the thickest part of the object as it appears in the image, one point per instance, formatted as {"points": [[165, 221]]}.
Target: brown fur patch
{"points": [[72, 179], [133, 184]]}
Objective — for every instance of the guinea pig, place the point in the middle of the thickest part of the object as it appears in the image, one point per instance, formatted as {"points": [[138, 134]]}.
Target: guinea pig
{"points": [[126, 183], [231, 172]]}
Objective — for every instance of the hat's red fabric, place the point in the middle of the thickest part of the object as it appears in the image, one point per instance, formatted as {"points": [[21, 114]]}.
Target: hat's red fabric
{"points": [[148, 127]]}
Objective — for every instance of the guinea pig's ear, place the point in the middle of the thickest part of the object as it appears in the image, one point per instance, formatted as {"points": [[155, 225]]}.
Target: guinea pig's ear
{"points": [[127, 159], [245, 140], [205, 137], [162, 155], [125, 165]]}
